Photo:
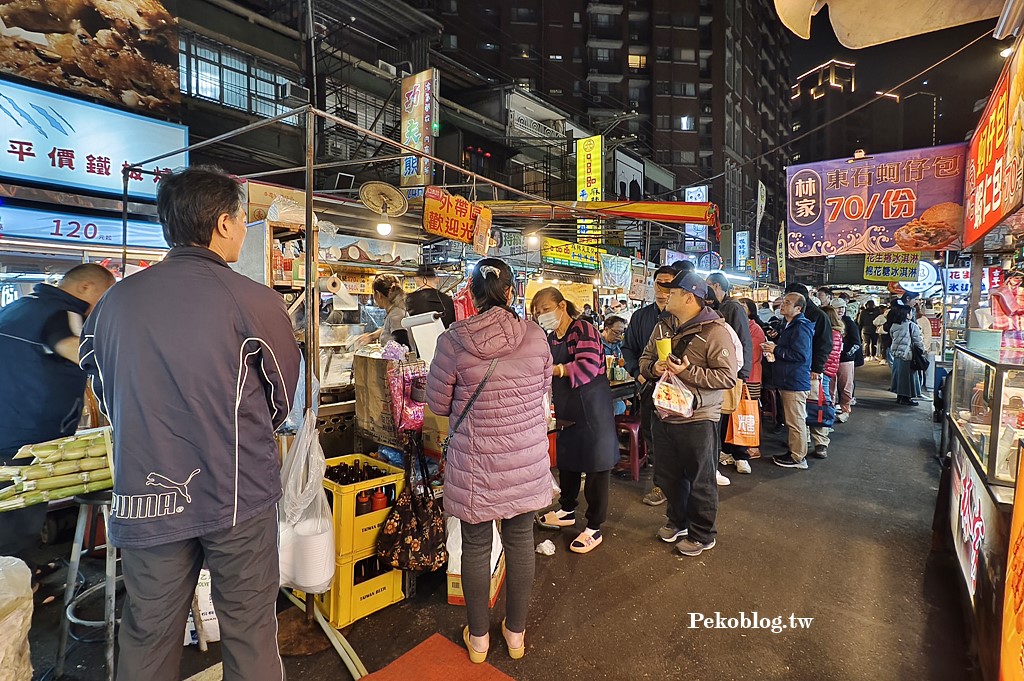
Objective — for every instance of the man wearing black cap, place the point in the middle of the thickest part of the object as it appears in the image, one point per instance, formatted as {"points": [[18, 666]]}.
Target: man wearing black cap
{"points": [[705, 359], [427, 298]]}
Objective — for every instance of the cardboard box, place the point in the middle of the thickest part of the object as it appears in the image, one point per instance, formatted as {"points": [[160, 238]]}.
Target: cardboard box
{"points": [[435, 430], [455, 595]]}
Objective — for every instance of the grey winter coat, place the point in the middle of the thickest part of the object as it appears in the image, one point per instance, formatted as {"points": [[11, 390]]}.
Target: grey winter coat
{"points": [[903, 336]]}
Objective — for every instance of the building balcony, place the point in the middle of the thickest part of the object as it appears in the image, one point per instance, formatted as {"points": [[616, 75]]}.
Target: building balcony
{"points": [[596, 77], [606, 43], [606, 7], [705, 73]]}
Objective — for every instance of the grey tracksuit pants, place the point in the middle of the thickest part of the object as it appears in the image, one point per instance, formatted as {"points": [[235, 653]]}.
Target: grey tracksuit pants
{"points": [[161, 580]]}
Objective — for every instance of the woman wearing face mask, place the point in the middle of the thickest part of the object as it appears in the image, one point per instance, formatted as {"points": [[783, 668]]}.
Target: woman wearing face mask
{"points": [[581, 395]]}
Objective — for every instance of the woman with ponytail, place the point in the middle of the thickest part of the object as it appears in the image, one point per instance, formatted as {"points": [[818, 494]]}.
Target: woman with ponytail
{"points": [[388, 295], [497, 462], [582, 395]]}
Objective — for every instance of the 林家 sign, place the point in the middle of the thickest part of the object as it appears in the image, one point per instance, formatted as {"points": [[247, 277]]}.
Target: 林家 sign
{"points": [[905, 201], [419, 111], [453, 217], [86, 230], [57, 140]]}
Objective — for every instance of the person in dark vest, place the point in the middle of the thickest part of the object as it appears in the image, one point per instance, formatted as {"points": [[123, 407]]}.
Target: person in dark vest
{"points": [[581, 394], [427, 298], [42, 388]]}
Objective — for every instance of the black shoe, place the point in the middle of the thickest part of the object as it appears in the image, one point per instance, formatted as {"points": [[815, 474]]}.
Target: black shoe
{"points": [[787, 461], [911, 403], [820, 452]]}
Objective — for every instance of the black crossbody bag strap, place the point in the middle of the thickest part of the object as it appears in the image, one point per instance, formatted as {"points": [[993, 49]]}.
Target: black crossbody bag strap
{"points": [[469, 405]]}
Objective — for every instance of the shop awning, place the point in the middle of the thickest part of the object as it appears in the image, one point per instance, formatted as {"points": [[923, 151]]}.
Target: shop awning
{"points": [[657, 211], [863, 23]]}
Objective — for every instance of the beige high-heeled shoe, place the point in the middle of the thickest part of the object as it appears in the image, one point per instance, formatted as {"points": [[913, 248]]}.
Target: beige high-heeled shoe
{"points": [[514, 653]]}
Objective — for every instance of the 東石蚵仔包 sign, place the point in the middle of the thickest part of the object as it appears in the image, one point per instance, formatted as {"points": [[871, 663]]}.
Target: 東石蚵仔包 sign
{"points": [[57, 140], [905, 201]]}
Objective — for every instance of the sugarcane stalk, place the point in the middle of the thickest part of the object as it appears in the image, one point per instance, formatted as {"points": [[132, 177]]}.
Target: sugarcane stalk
{"points": [[62, 480], [41, 497], [7, 492], [49, 470]]}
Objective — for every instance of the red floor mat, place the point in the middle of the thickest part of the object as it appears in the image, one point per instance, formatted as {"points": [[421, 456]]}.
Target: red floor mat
{"points": [[438, 659]]}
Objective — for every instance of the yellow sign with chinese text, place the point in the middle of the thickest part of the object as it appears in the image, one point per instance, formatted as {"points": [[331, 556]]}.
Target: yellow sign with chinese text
{"points": [[780, 253], [891, 266], [453, 217], [589, 185], [558, 252], [580, 294]]}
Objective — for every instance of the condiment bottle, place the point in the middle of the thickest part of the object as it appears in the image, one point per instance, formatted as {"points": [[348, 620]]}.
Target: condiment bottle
{"points": [[379, 500], [363, 503]]}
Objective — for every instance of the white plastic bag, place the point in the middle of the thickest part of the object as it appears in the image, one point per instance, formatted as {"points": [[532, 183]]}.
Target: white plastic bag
{"points": [[453, 527], [307, 531], [15, 619], [672, 398], [211, 625]]}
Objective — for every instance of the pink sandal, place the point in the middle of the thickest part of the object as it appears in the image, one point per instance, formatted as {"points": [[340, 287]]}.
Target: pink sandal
{"points": [[586, 542]]}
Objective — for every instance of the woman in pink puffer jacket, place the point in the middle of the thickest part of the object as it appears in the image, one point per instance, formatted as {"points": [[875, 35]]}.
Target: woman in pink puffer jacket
{"points": [[497, 466]]}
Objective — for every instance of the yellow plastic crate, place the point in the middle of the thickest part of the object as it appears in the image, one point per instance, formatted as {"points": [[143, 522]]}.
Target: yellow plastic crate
{"points": [[347, 601], [357, 533]]}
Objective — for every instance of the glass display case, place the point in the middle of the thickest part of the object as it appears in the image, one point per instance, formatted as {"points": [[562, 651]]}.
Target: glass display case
{"points": [[986, 409]]}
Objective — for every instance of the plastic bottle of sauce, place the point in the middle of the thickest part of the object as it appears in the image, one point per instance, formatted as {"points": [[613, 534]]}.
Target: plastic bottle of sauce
{"points": [[363, 503]]}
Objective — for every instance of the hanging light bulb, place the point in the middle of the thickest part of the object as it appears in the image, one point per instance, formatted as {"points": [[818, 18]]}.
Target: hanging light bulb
{"points": [[384, 226], [597, 282]]}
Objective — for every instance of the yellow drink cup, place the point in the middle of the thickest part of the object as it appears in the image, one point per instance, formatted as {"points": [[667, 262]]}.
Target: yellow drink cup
{"points": [[664, 348]]}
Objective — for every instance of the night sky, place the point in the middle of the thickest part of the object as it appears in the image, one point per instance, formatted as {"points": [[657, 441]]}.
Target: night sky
{"points": [[960, 82]]}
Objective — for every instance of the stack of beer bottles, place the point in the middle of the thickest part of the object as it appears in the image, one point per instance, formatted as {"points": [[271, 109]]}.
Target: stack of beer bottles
{"points": [[361, 491]]}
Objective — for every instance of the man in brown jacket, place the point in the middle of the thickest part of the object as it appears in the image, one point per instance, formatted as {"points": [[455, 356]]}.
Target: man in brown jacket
{"points": [[688, 446]]}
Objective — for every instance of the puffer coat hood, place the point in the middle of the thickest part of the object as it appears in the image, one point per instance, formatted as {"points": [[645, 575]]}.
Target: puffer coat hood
{"points": [[497, 464]]}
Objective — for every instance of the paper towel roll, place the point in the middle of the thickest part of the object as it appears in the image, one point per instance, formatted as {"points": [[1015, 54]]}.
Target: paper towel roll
{"points": [[329, 284]]}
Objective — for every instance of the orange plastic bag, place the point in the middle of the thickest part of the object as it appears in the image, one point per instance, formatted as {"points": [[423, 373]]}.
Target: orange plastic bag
{"points": [[745, 423]]}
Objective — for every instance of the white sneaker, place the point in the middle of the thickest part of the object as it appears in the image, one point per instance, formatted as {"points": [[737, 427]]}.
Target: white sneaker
{"points": [[843, 417], [722, 480], [725, 459], [743, 467]]}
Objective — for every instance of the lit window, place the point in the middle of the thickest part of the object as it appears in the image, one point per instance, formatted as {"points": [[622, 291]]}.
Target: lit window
{"points": [[490, 47], [555, 57], [638, 61], [686, 123]]}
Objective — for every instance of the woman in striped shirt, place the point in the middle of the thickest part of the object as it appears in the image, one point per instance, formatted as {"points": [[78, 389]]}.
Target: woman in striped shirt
{"points": [[581, 394]]}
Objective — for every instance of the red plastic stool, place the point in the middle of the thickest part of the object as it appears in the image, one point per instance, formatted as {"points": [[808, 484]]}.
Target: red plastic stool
{"points": [[637, 446]]}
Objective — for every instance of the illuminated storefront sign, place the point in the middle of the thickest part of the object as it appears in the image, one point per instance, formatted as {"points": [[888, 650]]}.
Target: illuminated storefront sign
{"points": [[891, 266], [904, 201], [419, 116], [589, 184], [558, 252], [85, 230], [57, 140]]}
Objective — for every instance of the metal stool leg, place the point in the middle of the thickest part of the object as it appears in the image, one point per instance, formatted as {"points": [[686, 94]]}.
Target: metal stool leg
{"points": [[69, 590], [110, 593]]}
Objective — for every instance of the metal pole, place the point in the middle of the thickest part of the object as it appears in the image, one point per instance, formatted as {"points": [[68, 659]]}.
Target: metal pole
{"points": [[124, 223], [312, 295]]}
